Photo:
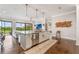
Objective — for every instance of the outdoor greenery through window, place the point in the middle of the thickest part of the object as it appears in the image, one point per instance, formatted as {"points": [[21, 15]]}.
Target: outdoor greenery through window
{"points": [[23, 27], [28, 26], [20, 26], [5, 27]]}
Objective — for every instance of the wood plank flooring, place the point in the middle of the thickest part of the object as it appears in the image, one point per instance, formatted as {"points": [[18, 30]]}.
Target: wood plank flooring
{"points": [[64, 47], [10, 46]]}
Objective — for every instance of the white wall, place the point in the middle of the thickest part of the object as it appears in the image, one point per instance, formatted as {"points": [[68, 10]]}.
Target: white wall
{"points": [[77, 25], [69, 33]]}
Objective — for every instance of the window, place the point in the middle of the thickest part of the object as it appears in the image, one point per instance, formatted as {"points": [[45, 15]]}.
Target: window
{"points": [[28, 26], [23, 27], [0, 26], [5, 27], [20, 27]]}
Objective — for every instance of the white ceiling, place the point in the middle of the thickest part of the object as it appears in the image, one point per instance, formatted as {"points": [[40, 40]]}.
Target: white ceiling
{"points": [[19, 10], [12, 10], [54, 9]]}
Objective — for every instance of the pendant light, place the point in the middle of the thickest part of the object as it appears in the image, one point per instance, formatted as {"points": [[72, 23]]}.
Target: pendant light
{"points": [[36, 13], [26, 15], [43, 14], [45, 25], [26, 9]]}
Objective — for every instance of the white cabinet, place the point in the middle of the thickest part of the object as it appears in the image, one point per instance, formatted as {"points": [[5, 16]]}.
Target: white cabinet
{"points": [[25, 41], [28, 41], [43, 36]]}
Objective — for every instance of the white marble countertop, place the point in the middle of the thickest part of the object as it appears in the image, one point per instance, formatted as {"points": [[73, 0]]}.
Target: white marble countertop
{"points": [[41, 48]]}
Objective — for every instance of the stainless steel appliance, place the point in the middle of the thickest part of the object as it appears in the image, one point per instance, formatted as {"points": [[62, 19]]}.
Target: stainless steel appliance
{"points": [[35, 38]]}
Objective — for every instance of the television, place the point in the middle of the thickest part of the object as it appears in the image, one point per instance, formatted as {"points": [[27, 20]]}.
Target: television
{"points": [[38, 26]]}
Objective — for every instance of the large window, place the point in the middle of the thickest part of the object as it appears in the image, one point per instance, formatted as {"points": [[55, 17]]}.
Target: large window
{"points": [[5, 27], [23, 27], [28, 26], [20, 27], [0, 26], [8, 27]]}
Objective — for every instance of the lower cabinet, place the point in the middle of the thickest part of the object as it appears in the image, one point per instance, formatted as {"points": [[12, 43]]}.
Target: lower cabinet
{"points": [[25, 41], [31, 39], [43, 36]]}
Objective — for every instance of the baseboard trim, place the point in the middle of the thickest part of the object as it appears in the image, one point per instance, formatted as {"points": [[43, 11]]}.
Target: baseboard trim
{"points": [[77, 44], [54, 37]]}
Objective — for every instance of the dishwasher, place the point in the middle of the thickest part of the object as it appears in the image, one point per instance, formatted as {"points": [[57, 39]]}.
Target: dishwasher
{"points": [[35, 39]]}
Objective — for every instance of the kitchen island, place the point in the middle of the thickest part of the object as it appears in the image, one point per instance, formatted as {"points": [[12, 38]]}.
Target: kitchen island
{"points": [[33, 38]]}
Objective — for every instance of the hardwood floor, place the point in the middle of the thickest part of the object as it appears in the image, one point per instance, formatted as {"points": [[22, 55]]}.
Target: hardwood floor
{"points": [[10, 46], [77, 50], [64, 47]]}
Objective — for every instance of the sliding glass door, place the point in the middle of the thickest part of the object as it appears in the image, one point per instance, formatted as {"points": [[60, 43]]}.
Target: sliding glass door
{"points": [[0, 26], [23, 27], [28, 27], [5, 27], [20, 27]]}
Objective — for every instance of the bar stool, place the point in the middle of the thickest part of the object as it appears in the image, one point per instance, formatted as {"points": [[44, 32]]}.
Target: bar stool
{"points": [[58, 36]]}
